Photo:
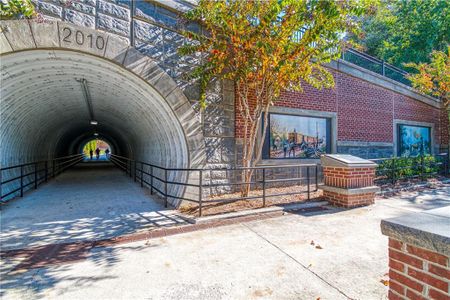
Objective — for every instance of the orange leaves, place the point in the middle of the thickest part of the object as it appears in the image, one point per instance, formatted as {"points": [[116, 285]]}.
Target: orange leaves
{"points": [[433, 78]]}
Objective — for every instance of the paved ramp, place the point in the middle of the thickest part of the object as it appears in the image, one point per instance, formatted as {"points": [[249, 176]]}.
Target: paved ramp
{"points": [[88, 202]]}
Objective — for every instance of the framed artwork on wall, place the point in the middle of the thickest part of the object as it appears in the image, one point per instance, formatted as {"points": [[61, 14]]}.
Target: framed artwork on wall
{"points": [[413, 140], [296, 137]]}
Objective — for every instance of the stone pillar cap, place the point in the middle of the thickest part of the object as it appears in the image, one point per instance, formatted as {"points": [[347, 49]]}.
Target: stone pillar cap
{"points": [[345, 161], [428, 229]]}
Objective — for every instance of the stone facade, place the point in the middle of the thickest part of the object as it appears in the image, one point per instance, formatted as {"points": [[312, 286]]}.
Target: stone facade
{"points": [[365, 111], [364, 107], [153, 28]]}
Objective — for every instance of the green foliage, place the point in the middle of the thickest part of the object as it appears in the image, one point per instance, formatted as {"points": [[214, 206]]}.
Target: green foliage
{"points": [[91, 145], [406, 31], [408, 167], [433, 78], [16, 9], [254, 41], [267, 47]]}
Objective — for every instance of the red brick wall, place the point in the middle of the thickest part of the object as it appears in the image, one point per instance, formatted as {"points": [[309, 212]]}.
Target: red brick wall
{"points": [[348, 178], [417, 273], [349, 201], [365, 111]]}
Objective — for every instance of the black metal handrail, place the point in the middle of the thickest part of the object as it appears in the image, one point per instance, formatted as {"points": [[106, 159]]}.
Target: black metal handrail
{"points": [[376, 65], [146, 174], [367, 62], [33, 173]]}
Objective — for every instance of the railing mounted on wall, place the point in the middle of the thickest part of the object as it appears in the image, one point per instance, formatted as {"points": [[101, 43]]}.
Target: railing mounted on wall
{"points": [[376, 65], [17, 179], [263, 184], [368, 62]]}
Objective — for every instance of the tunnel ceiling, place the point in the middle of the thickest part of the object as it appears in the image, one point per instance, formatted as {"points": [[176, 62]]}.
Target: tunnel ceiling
{"points": [[44, 110]]}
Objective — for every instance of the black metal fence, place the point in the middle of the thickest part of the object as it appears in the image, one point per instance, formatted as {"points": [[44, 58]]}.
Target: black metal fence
{"points": [[195, 185], [392, 170], [375, 65], [16, 180], [368, 62]]}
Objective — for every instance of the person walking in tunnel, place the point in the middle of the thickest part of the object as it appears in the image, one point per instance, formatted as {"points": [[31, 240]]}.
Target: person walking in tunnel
{"points": [[91, 153], [97, 153], [107, 153]]}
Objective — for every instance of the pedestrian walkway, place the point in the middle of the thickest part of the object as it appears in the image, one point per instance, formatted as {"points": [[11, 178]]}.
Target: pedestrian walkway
{"points": [[331, 254], [92, 201]]}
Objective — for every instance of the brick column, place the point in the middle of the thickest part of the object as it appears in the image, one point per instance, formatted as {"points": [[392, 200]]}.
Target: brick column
{"points": [[348, 180], [419, 255]]}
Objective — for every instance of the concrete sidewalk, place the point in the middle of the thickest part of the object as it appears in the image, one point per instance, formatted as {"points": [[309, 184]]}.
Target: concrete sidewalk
{"points": [[332, 254], [92, 200]]}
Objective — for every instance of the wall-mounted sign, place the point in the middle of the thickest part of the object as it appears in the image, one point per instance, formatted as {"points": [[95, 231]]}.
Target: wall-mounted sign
{"points": [[413, 140], [291, 136]]}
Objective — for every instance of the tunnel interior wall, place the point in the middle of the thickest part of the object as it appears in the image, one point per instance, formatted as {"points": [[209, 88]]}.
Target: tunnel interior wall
{"points": [[45, 113]]}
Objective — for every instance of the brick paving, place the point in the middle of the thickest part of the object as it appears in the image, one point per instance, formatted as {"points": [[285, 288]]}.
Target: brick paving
{"points": [[55, 254]]}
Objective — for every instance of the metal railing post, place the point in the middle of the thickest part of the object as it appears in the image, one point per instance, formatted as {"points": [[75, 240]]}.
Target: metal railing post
{"points": [[307, 182], [264, 186], [383, 71], [46, 171], [142, 174], [165, 187], [317, 177], [135, 171], [422, 167], [200, 192], [35, 176], [54, 168], [393, 170], [151, 179], [21, 181]]}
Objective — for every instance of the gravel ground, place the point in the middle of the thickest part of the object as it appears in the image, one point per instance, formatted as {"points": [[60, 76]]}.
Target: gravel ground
{"points": [[218, 208]]}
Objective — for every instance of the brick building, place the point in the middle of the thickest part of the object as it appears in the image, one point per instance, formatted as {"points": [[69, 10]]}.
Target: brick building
{"points": [[121, 57]]}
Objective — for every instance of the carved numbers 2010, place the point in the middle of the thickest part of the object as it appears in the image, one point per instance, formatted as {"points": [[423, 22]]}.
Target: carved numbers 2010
{"points": [[80, 38]]}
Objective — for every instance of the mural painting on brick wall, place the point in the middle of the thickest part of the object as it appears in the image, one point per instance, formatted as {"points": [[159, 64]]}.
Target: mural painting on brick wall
{"points": [[297, 136], [414, 140]]}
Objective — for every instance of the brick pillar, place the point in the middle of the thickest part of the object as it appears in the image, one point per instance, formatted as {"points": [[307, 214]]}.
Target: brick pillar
{"points": [[348, 180], [419, 255]]}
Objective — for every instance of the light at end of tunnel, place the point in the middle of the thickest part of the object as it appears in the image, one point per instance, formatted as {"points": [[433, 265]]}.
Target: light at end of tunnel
{"points": [[96, 134], [93, 122]]}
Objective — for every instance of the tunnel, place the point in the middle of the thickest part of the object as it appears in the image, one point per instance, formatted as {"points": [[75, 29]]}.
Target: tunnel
{"points": [[54, 101], [50, 98]]}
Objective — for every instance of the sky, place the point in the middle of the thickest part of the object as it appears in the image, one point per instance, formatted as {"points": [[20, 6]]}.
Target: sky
{"points": [[304, 125]]}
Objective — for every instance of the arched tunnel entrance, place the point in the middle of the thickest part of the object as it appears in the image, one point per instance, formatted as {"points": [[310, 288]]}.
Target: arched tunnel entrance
{"points": [[57, 95], [97, 149], [53, 100]]}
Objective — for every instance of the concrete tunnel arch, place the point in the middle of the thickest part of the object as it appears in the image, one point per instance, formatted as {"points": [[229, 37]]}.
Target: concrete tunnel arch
{"points": [[139, 108]]}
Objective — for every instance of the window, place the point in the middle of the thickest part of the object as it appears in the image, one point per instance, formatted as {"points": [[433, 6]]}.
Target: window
{"points": [[413, 140], [291, 136]]}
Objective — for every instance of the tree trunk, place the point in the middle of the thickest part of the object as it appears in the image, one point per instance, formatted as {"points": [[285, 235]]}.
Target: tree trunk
{"points": [[252, 150]]}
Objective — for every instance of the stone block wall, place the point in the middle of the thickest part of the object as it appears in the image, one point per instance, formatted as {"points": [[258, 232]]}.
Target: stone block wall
{"points": [[153, 27], [365, 111]]}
